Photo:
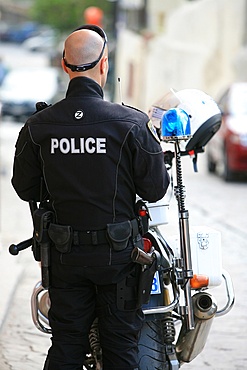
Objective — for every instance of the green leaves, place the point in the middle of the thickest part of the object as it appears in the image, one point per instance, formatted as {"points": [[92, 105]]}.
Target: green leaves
{"points": [[66, 15]]}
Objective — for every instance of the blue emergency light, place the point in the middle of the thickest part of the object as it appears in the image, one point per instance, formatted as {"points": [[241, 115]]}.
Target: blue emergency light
{"points": [[175, 124]]}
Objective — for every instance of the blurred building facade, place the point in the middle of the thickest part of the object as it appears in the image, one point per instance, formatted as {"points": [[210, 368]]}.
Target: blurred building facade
{"points": [[163, 44], [14, 11], [178, 44]]}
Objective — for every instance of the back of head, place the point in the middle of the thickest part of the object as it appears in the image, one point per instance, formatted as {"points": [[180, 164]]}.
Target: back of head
{"points": [[85, 54]]}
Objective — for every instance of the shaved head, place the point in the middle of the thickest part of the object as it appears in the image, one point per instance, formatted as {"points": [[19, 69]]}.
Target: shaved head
{"points": [[83, 46]]}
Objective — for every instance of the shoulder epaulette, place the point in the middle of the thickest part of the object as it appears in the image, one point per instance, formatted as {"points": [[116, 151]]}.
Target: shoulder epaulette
{"points": [[40, 105]]}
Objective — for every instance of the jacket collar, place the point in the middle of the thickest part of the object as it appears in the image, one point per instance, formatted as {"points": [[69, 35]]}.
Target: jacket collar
{"points": [[84, 86]]}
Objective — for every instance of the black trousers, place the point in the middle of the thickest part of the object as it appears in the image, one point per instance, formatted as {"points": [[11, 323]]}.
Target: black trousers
{"points": [[80, 293]]}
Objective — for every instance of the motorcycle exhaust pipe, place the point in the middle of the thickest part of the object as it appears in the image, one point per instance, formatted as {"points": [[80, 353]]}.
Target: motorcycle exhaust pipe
{"points": [[44, 304], [191, 343]]}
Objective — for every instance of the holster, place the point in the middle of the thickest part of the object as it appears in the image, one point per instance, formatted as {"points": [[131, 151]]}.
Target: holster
{"points": [[127, 290], [134, 290], [145, 283], [61, 236], [41, 221]]}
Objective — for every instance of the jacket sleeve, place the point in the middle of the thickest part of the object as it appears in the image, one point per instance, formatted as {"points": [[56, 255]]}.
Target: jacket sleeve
{"points": [[150, 173], [27, 168]]}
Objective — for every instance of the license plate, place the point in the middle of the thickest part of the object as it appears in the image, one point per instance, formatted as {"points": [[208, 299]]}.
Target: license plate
{"points": [[156, 284]]}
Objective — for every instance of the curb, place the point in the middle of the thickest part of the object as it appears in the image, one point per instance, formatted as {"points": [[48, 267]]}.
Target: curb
{"points": [[11, 272]]}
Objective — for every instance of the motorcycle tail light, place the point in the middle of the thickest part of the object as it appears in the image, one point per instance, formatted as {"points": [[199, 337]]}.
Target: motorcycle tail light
{"points": [[147, 245], [199, 281]]}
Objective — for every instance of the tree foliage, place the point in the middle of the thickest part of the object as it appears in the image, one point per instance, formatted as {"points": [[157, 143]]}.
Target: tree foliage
{"points": [[66, 15]]}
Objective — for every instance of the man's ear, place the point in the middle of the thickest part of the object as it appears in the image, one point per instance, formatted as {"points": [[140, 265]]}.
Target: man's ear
{"points": [[103, 65], [64, 66]]}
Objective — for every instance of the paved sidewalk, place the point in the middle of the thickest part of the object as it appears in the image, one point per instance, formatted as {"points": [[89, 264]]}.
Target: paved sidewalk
{"points": [[22, 346], [14, 218]]}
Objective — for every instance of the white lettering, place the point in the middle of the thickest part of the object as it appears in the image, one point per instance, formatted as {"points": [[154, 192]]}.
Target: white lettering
{"points": [[54, 145], [81, 145], [64, 145], [90, 148], [101, 145], [73, 148]]}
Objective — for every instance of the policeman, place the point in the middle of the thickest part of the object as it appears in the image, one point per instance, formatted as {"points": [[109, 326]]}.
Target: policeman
{"points": [[94, 156]]}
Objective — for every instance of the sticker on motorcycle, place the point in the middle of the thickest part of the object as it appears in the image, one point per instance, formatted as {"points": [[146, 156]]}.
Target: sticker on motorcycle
{"points": [[156, 284]]}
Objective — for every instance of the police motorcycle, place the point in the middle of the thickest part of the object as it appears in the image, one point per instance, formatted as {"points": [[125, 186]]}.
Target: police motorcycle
{"points": [[179, 273]]}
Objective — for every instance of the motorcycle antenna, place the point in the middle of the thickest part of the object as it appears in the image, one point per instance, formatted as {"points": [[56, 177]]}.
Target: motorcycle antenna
{"points": [[120, 90]]}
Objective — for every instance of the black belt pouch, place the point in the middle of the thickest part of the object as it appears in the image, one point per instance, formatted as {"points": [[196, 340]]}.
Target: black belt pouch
{"points": [[119, 234], [62, 237]]}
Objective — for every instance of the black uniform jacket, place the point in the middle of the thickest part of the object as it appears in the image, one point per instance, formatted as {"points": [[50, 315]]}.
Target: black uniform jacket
{"points": [[94, 157]]}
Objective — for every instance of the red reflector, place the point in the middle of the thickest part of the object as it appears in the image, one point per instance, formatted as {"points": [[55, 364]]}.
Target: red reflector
{"points": [[147, 245]]}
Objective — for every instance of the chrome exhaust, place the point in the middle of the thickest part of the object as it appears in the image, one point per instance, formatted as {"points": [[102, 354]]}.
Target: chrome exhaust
{"points": [[40, 305], [191, 343], [45, 304]]}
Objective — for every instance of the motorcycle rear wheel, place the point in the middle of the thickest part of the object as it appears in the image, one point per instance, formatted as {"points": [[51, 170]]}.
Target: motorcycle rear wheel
{"points": [[151, 347]]}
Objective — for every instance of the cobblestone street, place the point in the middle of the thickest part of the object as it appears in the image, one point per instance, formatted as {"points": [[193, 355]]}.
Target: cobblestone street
{"points": [[22, 346]]}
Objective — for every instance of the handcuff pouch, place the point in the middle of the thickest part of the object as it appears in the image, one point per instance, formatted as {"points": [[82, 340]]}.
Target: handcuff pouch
{"points": [[61, 236], [118, 234]]}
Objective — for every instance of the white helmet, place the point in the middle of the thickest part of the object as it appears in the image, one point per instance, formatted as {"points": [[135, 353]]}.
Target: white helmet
{"points": [[204, 114]]}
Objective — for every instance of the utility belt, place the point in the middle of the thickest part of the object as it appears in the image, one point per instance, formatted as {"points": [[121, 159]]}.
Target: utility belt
{"points": [[48, 234], [119, 232], [117, 235]]}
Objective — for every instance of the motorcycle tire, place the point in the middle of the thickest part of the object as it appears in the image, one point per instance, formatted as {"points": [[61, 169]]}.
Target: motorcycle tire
{"points": [[151, 347]]}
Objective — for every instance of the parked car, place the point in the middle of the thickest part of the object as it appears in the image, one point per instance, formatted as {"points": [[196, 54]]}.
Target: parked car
{"points": [[23, 87], [19, 32], [40, 43], [45, 41], [227, 150]]}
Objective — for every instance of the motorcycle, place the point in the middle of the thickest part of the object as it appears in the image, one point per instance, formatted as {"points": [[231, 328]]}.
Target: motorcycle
{"points": [[180, 309]]}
